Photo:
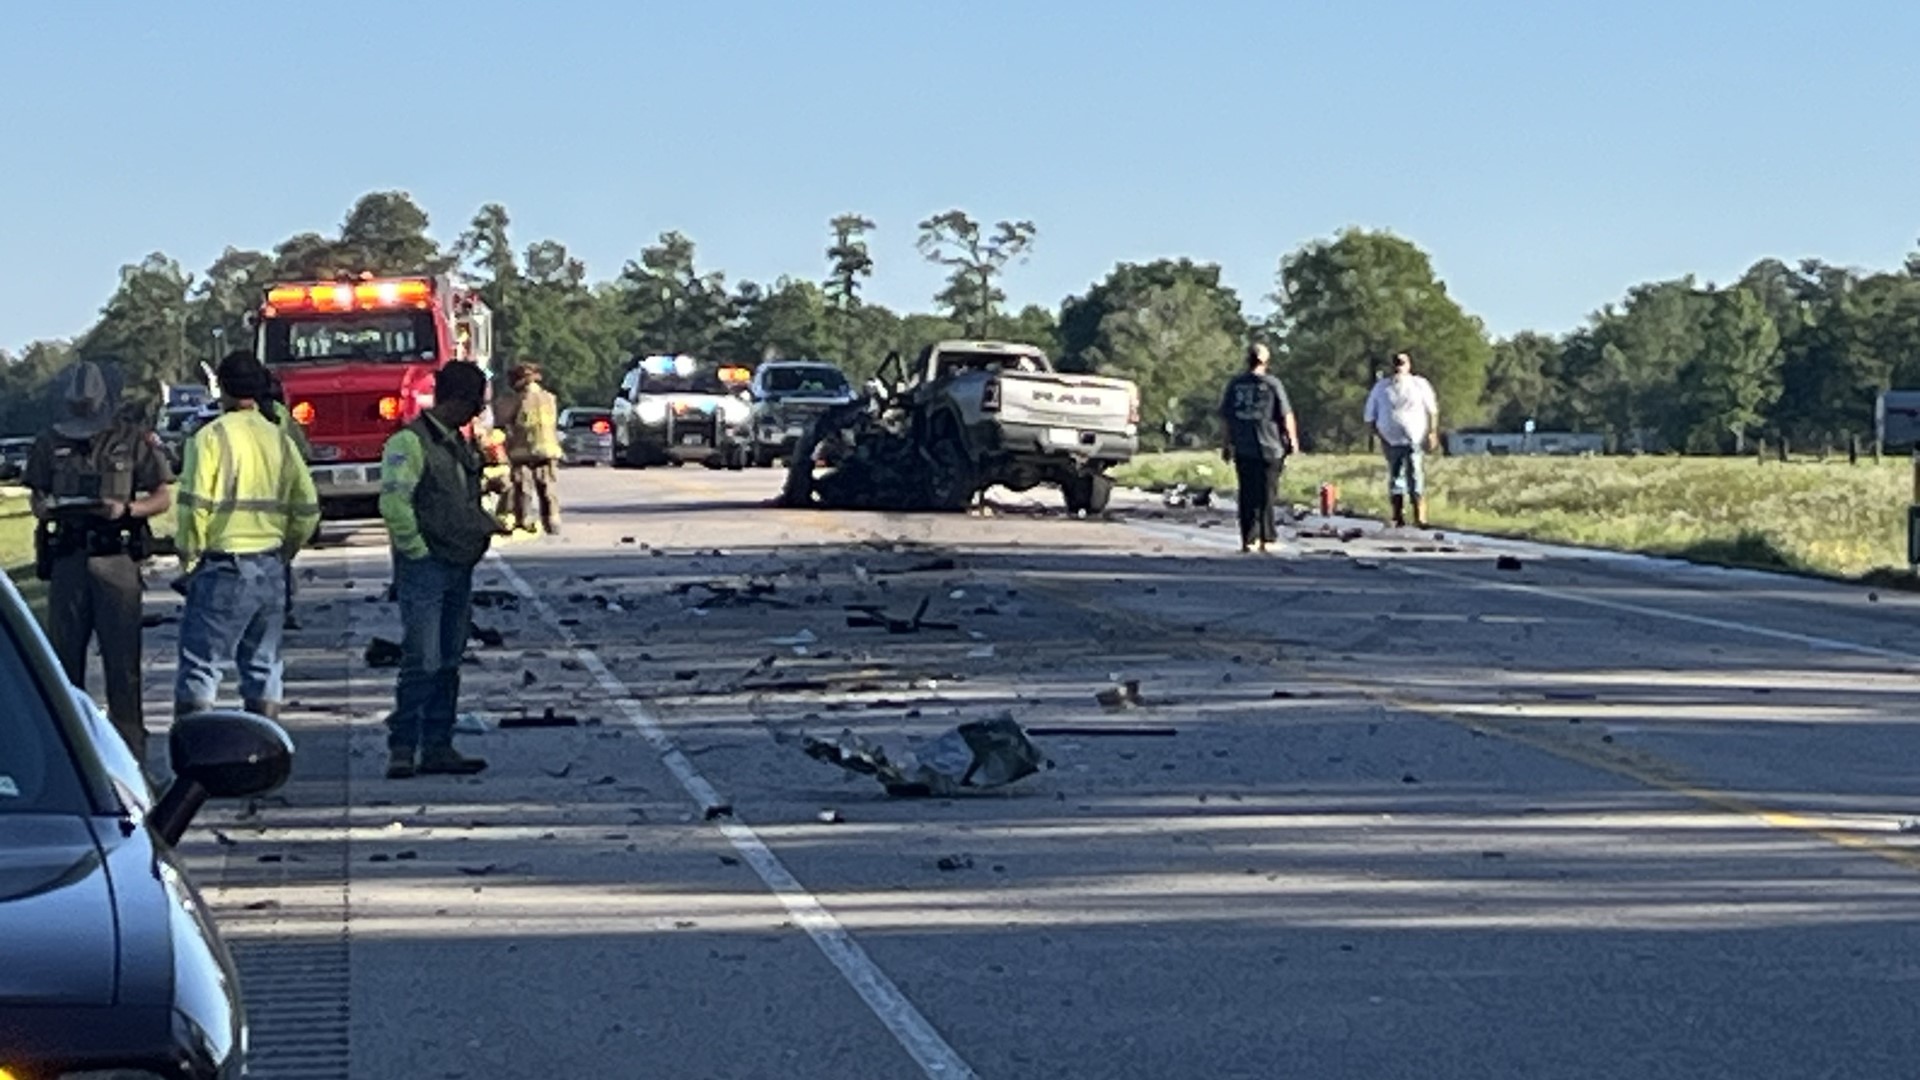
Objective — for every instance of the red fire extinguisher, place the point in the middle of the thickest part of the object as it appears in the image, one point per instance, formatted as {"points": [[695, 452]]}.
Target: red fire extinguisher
{"points": [[1329, 498]]}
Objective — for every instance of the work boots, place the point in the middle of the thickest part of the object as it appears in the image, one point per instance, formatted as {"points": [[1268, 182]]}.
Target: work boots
{"points": [[433, 761], [268, 709], [1399, 511], [1420, 511], [447, 761]]}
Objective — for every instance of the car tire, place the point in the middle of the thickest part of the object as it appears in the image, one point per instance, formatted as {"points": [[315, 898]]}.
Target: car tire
{"points": [[1088, 493], [951, 485]]}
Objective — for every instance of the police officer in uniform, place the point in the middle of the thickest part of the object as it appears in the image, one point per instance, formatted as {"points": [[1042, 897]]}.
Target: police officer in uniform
{"points": [[95, 481]]}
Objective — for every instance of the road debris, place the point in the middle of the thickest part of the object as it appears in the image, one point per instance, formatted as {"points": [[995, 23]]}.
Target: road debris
{"points": [[485, 635], [830, 816], [1180, 496], [954, 862], [1124, 696], [496, 598], [874, 616], [717, 811], [1104, 730], [977, 754], [1508, 562], [382, 653], [548, 718]]}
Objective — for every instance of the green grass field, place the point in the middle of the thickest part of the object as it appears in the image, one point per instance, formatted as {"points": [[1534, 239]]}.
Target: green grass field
{"points": [[1827, 518], [16, 532], [16, 546]]}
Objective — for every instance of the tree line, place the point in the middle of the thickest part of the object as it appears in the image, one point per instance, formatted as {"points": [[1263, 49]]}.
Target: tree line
{"points": [[1796, 352]]}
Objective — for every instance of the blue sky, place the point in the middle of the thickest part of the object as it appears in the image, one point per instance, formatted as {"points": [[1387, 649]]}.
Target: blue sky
{"points": [[1548, 156]]}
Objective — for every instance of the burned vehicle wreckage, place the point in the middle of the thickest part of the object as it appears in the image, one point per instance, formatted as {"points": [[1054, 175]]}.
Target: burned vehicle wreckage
{"points": [[968, 416]]}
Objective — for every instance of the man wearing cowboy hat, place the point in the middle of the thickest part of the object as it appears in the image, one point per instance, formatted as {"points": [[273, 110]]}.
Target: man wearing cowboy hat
{"points": [[95, 480]]}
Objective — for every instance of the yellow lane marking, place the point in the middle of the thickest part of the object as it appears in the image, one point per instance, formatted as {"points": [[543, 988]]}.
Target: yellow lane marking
{"points": [[1639, 766]]}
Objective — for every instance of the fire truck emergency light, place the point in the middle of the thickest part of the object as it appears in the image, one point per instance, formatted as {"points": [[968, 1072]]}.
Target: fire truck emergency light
{"points": [[364, 296]]}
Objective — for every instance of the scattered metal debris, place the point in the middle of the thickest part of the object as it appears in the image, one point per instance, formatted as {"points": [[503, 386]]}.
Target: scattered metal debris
{"points": [[1180, 496], [873, 615], [547, 718], [977, 754], [1124, 696], [1105, 730]]}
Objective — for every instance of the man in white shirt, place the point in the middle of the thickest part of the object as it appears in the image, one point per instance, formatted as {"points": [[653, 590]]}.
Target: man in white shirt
{"points": [[1405, 414]]}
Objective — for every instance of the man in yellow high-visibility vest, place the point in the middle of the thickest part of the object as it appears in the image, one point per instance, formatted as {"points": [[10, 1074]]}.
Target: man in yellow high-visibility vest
{"points": [[246, 506], [275, 408], [430, 497]]}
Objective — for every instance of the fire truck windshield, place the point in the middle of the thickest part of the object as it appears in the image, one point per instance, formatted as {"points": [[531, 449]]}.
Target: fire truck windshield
{"points": [[390, 336]]}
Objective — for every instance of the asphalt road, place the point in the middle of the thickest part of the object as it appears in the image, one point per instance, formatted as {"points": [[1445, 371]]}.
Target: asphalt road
{"points": [[1419, 816]]}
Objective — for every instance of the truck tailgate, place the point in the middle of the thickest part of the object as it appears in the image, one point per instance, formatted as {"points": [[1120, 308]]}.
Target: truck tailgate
{"points": [[1084, 402]]}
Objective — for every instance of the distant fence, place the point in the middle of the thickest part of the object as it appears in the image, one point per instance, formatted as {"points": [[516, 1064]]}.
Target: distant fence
{"points": [[1469, 443]]}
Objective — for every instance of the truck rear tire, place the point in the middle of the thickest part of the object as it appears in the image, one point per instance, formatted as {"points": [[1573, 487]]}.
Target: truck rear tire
{"points": [[1089, 492]]}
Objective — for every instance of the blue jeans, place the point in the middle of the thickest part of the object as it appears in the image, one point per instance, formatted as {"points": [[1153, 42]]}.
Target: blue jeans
{"points": [[436, 598], [1405, 472], [234, 611]]}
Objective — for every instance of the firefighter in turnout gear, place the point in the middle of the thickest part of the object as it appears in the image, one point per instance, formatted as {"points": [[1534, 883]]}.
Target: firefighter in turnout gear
{"points": [[533, 449], [95, 482], [247, 505]]}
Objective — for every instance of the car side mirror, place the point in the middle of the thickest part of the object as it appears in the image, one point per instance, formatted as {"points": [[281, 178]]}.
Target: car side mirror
{"points": [[219, 755]]}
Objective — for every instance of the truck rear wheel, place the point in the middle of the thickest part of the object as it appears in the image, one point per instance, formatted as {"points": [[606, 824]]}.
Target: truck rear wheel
{"points": [[1089, 493]]}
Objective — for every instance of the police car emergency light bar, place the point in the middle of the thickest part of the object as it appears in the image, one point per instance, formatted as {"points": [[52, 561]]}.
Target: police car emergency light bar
{"points": [[350, 296]]}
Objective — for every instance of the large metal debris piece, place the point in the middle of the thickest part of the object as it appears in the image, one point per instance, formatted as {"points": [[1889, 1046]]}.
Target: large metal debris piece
{"points": [[978, 754], [874, 460]]}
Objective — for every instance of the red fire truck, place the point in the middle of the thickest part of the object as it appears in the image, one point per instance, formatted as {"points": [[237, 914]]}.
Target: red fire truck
{"points": [[357, 359]]}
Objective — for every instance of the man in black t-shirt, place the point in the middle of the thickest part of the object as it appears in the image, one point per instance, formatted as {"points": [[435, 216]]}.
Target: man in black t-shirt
{"points": [[1259, 435]]}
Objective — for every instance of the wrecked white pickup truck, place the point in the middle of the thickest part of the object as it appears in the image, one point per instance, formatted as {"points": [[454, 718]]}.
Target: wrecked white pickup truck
{"points": [[969, 415]]}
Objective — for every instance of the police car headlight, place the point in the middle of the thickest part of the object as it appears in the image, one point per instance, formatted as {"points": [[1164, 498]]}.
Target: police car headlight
{"points": [[651, 410], [734, 411]]}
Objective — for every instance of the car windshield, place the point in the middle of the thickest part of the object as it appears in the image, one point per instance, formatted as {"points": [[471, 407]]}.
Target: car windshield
{"points": [[699, 381], [37, 773], [805, 379], [397, 336]]}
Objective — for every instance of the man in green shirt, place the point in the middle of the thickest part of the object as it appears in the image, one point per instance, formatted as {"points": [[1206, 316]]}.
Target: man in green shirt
{"points": [[430, 500]]}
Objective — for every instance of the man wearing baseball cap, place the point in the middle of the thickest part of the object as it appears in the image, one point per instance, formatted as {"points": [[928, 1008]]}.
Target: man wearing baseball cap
{"points": [[247, 505]]}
